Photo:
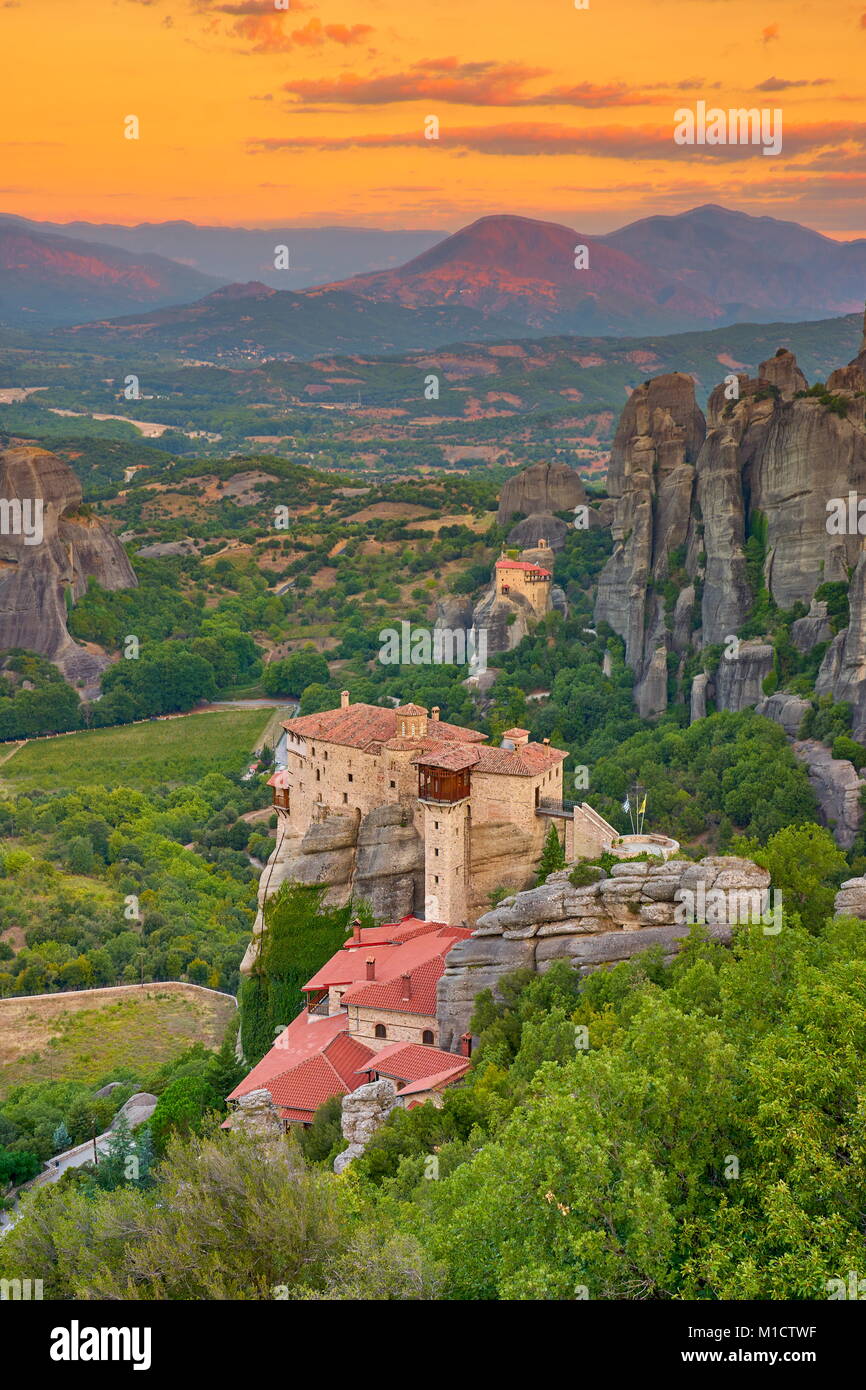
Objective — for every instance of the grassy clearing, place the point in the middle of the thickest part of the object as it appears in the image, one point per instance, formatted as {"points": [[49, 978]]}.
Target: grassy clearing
{"points": [[82, 1036], [139, 755]]}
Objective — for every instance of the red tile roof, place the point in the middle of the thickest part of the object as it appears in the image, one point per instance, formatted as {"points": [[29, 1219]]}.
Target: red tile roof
{"points": [[319, 1061], [413, 1062], [521, 565], [391, 958], [526, 761], [437, 1081], [454, 759], [360, 725], [388, 994]]}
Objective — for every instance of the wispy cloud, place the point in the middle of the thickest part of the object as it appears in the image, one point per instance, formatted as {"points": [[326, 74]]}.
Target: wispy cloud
{"points": [[474, 84], [612, 142]]}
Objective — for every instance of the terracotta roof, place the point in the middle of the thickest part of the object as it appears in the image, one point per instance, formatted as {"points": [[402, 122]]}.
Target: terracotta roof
{"points": [[516, 733], [280, 779], [415, 1062], [313, 1060], [410, 709], [453, 759], [388, 994], [360, 725], [521, 565], [440, 1079], [391, 957], [527, 761]]}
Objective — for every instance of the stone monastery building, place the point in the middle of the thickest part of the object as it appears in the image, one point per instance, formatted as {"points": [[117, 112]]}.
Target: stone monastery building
{"points": [[481, 813], [371, 1013]]}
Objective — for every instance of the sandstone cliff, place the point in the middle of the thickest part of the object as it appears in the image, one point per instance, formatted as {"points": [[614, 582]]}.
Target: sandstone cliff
{"points": [[598, 925], [542, 488], [35, 579], [763, 465]]}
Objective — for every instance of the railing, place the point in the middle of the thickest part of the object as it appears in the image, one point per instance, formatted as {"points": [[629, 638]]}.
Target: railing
{"points": [[549, 806]]}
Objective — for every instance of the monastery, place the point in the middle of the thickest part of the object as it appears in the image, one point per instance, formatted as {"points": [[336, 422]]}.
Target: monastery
{"points": [[370, 1013], [457, 790]]}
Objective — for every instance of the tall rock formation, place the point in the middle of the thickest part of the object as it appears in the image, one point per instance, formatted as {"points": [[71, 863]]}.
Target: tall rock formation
{"points": [[651, 476], [763, 469], [39, 576], [542, 488]]}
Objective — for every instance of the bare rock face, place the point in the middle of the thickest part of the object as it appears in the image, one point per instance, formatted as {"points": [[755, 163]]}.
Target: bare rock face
{"points": [[38, 572], [256, 1114], [640, 905], [787, 710], [843, 670], [739, 678], [542, 487], [389, 864], [651, 476], [810, 631], [837, 785], [851, 899], [763, 470], [379, 857], [542, 526], [364, 1111]]}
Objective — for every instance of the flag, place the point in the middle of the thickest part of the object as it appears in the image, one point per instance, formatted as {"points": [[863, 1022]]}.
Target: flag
{"points": [[626, 805], [642, 807]]}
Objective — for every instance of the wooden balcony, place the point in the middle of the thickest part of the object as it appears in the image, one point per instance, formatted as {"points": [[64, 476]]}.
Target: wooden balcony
{"points": [[281, 798], [442, 786]]}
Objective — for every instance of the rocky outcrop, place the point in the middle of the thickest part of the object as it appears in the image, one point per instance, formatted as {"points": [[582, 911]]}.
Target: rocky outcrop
{"points": [[364, 1111], [843, 670], [753, 484], [639, 905], [379, 857], [651, 476], [837, 786], [541, 526], [851, 899], [256, 1114], [42, 567], [541, 488], [739, 678], [810, 631], [787, 710]]}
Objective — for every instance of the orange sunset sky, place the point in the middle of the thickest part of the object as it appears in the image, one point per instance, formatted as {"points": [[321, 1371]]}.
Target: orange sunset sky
{"points": [[254, 115]]}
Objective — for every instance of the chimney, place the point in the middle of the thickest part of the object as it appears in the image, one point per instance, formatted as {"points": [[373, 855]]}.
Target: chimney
{"points": [[406, 983], [344, 699], [356, 931], [545, 742], [466, 1045], [371, 967], [434, 713]]}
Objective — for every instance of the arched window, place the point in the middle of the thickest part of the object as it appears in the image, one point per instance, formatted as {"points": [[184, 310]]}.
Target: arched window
{"points": [[379, 1031], [427, 1037]]}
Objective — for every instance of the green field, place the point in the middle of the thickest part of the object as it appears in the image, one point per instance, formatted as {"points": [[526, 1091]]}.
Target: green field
{"points": [[82, 1036], [138, 755]]}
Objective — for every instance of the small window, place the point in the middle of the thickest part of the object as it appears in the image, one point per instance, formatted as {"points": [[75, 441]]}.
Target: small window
{"points": [[392, 785], [435, 878], [351, 777], [380, 1031], [435, 825], [436, 852], [318, 775], [427, 1037], [345, 798]]}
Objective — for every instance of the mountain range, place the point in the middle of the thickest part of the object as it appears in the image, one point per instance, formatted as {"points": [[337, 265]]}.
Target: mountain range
{"points": [[501, 276]]}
